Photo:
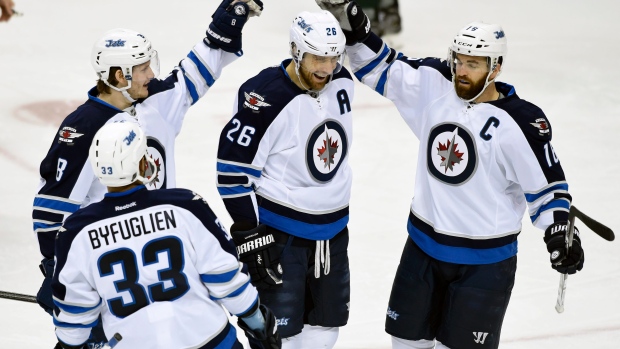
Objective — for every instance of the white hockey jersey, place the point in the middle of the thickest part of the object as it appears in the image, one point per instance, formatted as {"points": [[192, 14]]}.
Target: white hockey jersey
{"points": [[67, 181], [479, 165], [157, 265], [283, 157]]}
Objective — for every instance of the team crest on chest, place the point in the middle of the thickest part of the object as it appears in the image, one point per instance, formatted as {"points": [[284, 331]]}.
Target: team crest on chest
{"points": [[325, 149], [451, 154], [157, 153]]}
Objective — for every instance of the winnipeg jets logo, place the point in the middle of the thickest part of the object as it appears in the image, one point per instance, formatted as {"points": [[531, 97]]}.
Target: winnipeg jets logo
{"points": [[451, 154], [328, 151], [542, 126], [68, 134], [157, 153], [392, 314], [325, 150], [254, 101], [479, 337]]}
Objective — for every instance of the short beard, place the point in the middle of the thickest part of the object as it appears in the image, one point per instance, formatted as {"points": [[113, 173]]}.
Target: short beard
{"points": [[306, 77], [470, 91]]}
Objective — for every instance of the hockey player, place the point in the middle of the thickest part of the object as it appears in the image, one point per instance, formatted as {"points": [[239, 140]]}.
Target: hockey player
{"points": [[157, 265], [284, 176], [127, 66], [485, 156]]}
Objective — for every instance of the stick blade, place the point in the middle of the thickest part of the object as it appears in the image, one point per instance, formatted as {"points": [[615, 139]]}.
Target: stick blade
{"points": [[597, 227]]}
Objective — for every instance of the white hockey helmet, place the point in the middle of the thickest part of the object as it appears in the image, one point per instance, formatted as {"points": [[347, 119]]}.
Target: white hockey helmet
{"points": [[125, 49], [116, 152], [317, 33], [481, 40]]}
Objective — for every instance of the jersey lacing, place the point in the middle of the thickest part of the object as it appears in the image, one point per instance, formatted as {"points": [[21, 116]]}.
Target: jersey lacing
{"points": [[321, 256]]}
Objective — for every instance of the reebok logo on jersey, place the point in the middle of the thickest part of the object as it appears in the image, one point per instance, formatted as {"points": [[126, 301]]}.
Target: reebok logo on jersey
{"points": [[262, 241], [392, 314], [68, 134], [124, 207], [254, 101], [479, 337], [542, 126]]}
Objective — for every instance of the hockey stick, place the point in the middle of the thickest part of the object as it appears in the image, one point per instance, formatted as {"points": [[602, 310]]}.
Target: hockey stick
{"points": [[18, 297], [113, 341], [597, 227]]}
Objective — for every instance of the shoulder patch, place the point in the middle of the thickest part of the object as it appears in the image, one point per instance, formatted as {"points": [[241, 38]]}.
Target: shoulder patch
{"points": [[542, 125], [254, 101], [67, 135]]}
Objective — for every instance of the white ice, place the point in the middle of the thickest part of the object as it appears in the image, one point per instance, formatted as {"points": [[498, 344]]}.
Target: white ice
{"points": [[561, 57]]}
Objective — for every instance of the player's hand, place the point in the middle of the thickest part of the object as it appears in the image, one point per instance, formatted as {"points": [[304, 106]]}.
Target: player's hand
{"points": [[44, 296], [257, 248], [224, 31], [353, 21], [268, 337], [565, 262]]}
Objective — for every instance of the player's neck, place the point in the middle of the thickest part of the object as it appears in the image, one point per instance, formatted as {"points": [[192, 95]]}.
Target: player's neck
{"points": [[123, 188], [116, 99], [489, 94]]}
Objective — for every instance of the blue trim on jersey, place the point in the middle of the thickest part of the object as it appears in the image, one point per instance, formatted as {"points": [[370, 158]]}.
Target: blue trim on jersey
{"points": [[39, 225], [202, 69], [125, 192], [301, 229], [239, 189], [222, 167], [191, 88], [234, 293], [551, 205], [460, 255], [101, 101], [383, 78], [55, 205], [536, 196], [229, 340], [70, 325], [218, 278], [74, 309], [372, 65]]}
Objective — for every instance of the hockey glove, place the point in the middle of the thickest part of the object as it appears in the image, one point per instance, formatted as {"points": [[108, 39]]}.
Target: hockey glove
{"points": [[268, 337], [44, 296], [257, 248], [224, 31], [565, 262], [353, 21]]}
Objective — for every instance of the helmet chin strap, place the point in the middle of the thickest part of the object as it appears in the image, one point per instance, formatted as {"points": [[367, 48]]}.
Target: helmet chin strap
{"points": [[123, 90], [486, 84]]}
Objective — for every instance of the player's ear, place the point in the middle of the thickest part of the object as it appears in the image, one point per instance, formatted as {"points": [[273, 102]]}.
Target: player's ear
{"points": [[118, 74]]}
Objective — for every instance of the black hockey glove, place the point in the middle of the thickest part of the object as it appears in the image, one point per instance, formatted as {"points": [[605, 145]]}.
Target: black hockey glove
{"points": [[269, 338], [44, 296], [353, 21], [556, 237], [224, 31], [257, 248], [60, 345]]}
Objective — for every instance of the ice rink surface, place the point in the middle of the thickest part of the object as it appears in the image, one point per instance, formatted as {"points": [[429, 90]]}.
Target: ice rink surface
{"points": [[561, 57]]}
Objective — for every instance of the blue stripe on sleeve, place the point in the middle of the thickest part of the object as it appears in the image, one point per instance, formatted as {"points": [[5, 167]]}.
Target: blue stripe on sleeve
{"points": [[69, 325], [239, 189], [372, 65], [202, 69], [550, 206], [39, 225], [191, 88], [74, 309], [55, 205], [235, 293], [383, 78], [218, 278], [221, 167], [536, 196]]}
